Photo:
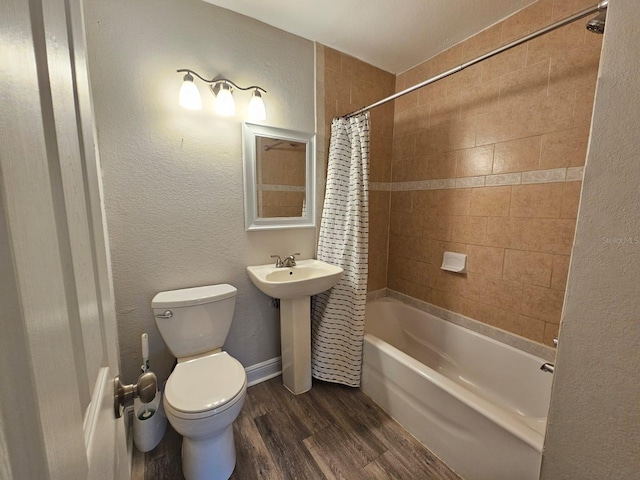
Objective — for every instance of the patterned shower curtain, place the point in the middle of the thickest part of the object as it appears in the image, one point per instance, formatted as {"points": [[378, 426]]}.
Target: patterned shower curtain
{"points": [[337, 329]]}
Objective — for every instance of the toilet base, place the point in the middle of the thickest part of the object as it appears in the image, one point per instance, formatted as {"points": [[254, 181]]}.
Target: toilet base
{"points": [[211, 458]]}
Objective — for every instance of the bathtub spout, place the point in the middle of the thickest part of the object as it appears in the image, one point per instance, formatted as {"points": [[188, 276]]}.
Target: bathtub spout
{"points": [[547, 367]]}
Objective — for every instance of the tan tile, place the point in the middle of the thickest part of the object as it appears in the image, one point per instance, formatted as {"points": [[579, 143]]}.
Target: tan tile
{"points": [[454, 201], [573, 68], [475, 161], [460, 134], [480, 99], [555, 43], [441, 165], [548, 235], [438, 227], [404, 224], [414, 75], [407, 287], [493, 291], [504, 63], [481, 43], [526, 87], [404, 147], [379, 201], [511, 321], [331, 58], [416, 168], [542, 303], [585, 95], [401, 202], [498, 128], [567, 148], [571, 199], [449, 282], [445, 110], [490, 201], [551, 331], [537, 200], [527, 20], [487, 261], [518, 155], [471, 230], [406, 102], [528, 267], [431, 140], [445, 300], [464, 80], [435, 250], [401, 246], [446, 60], [431, 92], [476, 310], [564, 8], [560, 272], [425, 202]]}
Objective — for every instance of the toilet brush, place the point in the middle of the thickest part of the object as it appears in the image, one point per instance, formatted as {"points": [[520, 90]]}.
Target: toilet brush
{"points": [[145, 367]]}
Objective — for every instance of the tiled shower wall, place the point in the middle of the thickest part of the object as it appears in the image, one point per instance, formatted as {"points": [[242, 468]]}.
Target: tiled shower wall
{"points": [[488, 162], [351, 84]]}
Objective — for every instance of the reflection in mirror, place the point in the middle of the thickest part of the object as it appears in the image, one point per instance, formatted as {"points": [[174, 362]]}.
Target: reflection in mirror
{"points": [[280, 168], [279, 177]]}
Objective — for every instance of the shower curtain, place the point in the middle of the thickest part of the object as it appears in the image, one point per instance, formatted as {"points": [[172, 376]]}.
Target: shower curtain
{"points": [[337, 329]]}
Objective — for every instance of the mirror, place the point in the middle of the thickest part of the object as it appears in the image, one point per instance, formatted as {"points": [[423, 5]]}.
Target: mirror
{"points": [[279, 178]]}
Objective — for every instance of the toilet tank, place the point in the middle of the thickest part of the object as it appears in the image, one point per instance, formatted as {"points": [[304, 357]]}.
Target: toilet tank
{"points": [[194, 320]]}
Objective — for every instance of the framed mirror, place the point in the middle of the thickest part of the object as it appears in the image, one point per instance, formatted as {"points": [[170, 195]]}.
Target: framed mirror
{"points": [[279, 178]]}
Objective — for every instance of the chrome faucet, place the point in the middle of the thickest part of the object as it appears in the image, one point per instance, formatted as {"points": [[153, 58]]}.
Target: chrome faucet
{"points": [[290, 260], [547, 367]]}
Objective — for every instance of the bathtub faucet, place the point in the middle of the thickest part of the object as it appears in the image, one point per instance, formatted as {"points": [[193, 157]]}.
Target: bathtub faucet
{"points": [[547, 367]]}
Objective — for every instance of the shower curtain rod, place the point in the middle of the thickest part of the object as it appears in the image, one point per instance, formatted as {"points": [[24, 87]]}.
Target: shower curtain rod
{"points": [[601, 6]]}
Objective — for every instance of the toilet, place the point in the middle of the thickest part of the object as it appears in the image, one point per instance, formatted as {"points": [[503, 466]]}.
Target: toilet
{"points": [[206, 391]]}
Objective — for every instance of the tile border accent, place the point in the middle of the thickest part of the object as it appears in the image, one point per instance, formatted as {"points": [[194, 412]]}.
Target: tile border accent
{"points": [[555, 175], [502, 336]]}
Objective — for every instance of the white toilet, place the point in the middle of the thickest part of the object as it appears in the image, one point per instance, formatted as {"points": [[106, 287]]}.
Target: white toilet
{"points": [[205, 392]]}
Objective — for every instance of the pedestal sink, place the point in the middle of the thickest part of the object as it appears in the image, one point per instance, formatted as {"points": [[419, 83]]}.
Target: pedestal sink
{"points": [[294, 287]]}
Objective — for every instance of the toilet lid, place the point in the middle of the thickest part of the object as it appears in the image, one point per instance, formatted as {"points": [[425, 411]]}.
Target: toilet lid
{"points": [[205, 384]]}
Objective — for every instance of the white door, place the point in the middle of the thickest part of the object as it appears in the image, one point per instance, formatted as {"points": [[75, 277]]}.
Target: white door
{"points": [[58, 343]]}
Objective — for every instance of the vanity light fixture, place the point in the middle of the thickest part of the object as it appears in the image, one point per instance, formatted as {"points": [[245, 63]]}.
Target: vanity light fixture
{"points": [[222, 89]]}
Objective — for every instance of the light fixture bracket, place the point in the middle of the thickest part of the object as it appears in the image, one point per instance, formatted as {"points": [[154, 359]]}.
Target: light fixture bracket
{"points": [[214, 82]]}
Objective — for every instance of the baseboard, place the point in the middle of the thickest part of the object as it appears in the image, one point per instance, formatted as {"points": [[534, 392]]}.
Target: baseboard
{"points": [[263, 371]]}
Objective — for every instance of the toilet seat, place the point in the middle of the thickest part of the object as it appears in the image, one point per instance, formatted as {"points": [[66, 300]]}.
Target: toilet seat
{"points": [[205, 386]]}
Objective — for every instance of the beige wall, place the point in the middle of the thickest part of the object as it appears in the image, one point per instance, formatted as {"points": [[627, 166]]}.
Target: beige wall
{"points": [[488, 162], [350, 84], [593, 430], [173, 177]]}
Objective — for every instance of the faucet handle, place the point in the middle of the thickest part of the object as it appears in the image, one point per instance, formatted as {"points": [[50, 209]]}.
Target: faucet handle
{"points": [[279, 262]]}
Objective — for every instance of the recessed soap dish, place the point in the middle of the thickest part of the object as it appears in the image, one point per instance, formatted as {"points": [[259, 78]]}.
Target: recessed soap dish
{"points": [[454, 262]]}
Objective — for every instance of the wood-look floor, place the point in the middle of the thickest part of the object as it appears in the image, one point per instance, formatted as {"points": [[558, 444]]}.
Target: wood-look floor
{"points": [[332, 432]]}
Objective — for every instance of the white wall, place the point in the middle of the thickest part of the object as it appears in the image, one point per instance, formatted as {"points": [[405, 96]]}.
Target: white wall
{"points": [[594, 419], [173, 178]]}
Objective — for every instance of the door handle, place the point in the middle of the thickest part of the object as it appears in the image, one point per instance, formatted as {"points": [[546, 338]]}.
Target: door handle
{"points": [[145, 389]]}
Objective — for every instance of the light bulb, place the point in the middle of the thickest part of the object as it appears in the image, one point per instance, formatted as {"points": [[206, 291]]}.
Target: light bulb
{"points": [[189, 96], [256, 107], [224, 101]]}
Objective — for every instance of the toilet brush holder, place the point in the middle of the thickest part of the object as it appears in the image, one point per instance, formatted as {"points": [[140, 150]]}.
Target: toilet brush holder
{"points": [[149, 423]]}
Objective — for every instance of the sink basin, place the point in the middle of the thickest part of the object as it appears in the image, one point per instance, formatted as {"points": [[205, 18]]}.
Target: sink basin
{"points": [[307, 278]]}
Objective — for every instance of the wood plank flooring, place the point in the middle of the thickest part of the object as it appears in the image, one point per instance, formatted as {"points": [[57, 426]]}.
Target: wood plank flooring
{"points": [[330, 432]]}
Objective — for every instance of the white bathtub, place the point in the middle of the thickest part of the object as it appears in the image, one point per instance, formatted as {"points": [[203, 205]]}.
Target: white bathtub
{"points": [[478, 404]]}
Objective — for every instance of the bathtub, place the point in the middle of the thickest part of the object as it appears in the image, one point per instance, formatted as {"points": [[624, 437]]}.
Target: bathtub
{"points": [[478, 404]]}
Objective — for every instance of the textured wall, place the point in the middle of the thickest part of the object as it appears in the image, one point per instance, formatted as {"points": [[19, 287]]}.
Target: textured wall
{"points": [[488, 162], [173, 177], [350, 84], [594, 420]]}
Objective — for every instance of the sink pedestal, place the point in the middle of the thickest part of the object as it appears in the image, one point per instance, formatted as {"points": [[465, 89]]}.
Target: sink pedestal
{"points": [[295, 338]]}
